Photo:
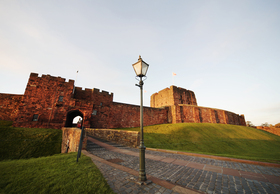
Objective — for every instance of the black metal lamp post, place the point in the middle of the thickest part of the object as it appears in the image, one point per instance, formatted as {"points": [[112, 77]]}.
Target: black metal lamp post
{"points": [[140, 69]]}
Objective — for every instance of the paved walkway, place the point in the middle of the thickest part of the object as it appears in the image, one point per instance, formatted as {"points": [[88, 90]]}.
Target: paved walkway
{"points": [[178, 173]]}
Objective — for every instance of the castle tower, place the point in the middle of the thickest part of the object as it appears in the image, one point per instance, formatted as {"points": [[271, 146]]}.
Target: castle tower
{"points": [[173, 96]]}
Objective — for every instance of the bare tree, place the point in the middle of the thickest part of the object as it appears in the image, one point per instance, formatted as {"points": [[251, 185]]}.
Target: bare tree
{"points": [[249, 124], [265, 124]]}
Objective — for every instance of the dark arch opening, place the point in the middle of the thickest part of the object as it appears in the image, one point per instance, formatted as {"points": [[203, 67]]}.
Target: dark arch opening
{"points": [[70, 117]]}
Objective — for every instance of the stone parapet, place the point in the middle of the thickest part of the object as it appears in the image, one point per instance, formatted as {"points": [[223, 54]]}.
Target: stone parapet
{"points": [[126, 138]]}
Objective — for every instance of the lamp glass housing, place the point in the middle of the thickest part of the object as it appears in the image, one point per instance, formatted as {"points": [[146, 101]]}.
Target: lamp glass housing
{"points": [[140, 68]]}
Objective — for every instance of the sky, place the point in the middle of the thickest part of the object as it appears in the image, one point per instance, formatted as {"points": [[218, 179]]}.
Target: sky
{"points": [[227, 52]]}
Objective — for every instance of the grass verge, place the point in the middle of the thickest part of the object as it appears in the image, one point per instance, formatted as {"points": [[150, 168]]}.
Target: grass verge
{"points": [[19, 143], [214, 139], [53, 174]]}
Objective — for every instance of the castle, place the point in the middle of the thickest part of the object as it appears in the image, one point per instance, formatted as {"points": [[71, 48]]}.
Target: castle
{"points": [[51, 102]]}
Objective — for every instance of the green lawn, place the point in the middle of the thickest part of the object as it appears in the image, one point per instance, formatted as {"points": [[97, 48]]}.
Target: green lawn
{"points": [[214, 139], [52, 174], [18, 143]]}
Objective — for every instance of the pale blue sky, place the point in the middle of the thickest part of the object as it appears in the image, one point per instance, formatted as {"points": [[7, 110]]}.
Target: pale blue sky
{"points": [[227, 52]]}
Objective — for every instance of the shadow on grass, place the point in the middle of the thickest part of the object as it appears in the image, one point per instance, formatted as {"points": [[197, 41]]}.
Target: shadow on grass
{"points": [[19, 143]]}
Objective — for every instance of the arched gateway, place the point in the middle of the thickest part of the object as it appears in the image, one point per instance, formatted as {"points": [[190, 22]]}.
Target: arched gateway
{"points": [[71, 115]]}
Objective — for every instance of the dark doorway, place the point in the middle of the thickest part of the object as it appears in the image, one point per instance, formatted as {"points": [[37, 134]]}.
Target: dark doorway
{"points": [[70, 117]]}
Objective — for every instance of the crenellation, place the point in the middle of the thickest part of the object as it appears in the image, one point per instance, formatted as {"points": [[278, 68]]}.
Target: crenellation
{"points": [[96, 90], [33, 74], [105, 92]]}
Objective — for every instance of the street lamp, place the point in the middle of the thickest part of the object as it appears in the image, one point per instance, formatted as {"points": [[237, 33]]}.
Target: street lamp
{"points": [[140, 68]]}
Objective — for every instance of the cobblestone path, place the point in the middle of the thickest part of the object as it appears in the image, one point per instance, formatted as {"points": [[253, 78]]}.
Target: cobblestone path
{"points": [[195, 173], [120, 182]]}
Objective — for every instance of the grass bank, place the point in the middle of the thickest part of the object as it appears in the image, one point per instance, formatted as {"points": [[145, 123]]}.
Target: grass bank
{"points": [[214, 139], [53, 174], [19, 143]]}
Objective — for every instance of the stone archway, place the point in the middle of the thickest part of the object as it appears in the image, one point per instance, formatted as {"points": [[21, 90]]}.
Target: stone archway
{"points": [[71, 115]]}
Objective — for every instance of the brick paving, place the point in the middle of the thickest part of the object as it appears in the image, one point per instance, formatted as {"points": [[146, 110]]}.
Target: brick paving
{"points": [[183, 172], [120, 182]]}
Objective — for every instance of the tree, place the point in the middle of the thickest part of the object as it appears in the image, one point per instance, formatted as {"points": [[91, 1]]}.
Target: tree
{"points": [[265, 124], [277, 125], [249, 124]]}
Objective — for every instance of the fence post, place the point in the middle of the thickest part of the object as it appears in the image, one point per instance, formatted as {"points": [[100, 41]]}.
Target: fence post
{"points": [[80, 145]]}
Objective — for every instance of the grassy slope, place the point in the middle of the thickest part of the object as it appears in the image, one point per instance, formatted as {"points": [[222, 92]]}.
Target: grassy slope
{"points": [[215, 139], [53, 174], [18, 143]]}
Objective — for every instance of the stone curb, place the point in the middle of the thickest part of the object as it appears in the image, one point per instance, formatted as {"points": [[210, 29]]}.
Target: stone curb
{"points": [[218, 157], [155, 180]]}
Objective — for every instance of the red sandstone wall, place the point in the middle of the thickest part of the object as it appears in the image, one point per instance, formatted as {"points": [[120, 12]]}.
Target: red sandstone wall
{"points": [[197, 114], [188, 114], [93, 95], [119, 115], [183, 96], [9, 106], [42, 97], [98, 109], [162, 98], [173, 96]]}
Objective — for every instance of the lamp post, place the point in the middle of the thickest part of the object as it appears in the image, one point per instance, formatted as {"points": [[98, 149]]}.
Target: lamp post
{"points": [[140, 68]]}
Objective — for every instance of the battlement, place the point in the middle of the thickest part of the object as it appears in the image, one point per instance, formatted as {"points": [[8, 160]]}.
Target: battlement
{"points": [[93, 90], [53, 78], [92, 94], [96, 90]]}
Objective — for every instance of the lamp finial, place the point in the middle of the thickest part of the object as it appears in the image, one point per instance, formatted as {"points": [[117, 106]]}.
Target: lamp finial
{"points": [[139, 58]]}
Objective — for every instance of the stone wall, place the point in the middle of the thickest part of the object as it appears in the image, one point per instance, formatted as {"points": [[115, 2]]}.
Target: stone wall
{"points": [[52, 99], [120, 115], [42, 98], [274, 130], [196, 114], [57, 102], [51, 102], [127, 138], [71, 140], [9, 104], [172, 96]]}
